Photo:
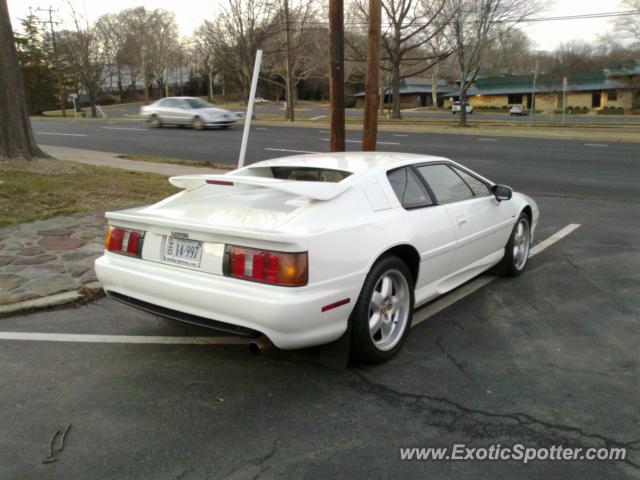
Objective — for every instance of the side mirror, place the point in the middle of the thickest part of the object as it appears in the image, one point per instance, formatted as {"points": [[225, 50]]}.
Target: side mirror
{"points": [[501, 192]]}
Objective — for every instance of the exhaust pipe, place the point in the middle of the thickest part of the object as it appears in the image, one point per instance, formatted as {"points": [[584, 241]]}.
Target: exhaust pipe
{"points": [[260, 344]]}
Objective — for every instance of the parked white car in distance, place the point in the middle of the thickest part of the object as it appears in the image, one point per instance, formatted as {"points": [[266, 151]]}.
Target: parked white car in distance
{"points": [[302, 248], [518, 109], [455, 107], [261, 100], [191, 111]]}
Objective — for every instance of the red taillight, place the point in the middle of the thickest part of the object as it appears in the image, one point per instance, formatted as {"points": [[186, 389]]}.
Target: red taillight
{"points": [[125, 242], [277, 268]]}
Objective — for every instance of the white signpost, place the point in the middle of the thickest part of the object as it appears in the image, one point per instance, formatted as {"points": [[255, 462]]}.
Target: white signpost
{"points": [[247, 118]]}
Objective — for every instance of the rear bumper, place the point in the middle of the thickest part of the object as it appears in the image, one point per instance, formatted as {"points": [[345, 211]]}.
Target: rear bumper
{"points": [[289, 317]]}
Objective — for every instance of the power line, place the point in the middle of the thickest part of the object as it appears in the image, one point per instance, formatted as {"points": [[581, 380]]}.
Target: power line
{"points": [[586, 16]]}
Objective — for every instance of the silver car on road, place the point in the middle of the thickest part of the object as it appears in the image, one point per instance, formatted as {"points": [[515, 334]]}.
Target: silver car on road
{"points": [[187, 111]]}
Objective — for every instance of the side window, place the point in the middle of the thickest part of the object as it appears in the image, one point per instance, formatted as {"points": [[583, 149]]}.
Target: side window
{"points": [[168, 103], [445, 184], [408, 188], [479, 189]]}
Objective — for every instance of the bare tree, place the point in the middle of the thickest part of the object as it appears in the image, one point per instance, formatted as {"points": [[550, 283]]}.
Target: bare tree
{"points": [[511, 50], [203, 49], [629, 25], [151, 37], [440, 49], [83, 51], [474, 24], [293, 56], [16, 137], [409, 26], [242, 28], [114, 34], [161, 46]]}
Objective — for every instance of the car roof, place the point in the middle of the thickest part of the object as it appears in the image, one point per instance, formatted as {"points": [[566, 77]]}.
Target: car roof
{"points": [[355, 162]]}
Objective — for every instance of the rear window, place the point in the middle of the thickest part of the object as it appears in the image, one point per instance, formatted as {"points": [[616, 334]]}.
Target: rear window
{"points": [[309, 174]]}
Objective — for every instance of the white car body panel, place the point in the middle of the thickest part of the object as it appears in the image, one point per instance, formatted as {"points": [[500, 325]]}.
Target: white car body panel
{"points": [[345, 227]]}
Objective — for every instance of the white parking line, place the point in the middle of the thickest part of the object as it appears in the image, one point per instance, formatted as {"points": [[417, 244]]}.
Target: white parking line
{"points": [[559, 235], [318, 117], [488, 139], [287, 150], [596, 145], [399, 135], [431, 309], [64, 134], [360, 141], [420, 314], [127, 128]]}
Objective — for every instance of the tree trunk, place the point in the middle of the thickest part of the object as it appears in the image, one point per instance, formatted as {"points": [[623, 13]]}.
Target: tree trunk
{"points": [[210, 89], [16, 137], [145, 78], [396, 63], [92, 103], [395, 91], [462, 122], [434, 85], [290, 111], [120, 87]]}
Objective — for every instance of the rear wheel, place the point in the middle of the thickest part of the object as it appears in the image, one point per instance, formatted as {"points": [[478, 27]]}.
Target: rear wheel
{"points": [[382, 316], [516, 253]]}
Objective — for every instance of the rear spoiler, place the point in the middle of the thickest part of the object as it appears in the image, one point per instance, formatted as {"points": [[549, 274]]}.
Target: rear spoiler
{"points": [[313, 190]]}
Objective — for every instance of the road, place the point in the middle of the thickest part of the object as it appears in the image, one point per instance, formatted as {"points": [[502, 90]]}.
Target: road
{"points": [[548, 358], [307, 111], [550, 167]]}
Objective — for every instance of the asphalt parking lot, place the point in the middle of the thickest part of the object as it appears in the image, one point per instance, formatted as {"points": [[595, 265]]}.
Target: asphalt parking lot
{"points": [[548, 358]]}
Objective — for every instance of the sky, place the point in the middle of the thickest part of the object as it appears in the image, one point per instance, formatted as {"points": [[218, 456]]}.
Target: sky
{"points": [[546, 36]]}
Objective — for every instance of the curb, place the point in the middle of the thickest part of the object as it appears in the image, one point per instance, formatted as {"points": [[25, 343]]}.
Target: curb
{"points": [[86, 292]]}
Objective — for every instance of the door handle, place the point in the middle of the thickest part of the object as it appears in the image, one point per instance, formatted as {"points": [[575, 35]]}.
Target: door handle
{"points": [[462, 221]]}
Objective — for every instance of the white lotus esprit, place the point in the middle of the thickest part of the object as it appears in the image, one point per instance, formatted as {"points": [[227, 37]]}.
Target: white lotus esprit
{"points": [[301, 248]]}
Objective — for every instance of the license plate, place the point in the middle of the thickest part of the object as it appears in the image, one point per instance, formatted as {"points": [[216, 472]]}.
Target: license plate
{"points": [[183, 252]]}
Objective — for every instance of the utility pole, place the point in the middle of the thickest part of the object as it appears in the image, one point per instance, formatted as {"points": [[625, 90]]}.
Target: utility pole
{"points": [[290, 113], [56, 61], [336, 76], [370, 129]]}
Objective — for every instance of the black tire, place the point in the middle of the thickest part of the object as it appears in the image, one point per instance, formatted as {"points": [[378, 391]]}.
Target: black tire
{"points": [[362, 344], [155, 122], [509, 266]]}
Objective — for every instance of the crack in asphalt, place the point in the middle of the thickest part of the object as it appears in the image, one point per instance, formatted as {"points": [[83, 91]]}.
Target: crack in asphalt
{"points": [[255, 462], [567, 257], [456, 417], [451, 358]]}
